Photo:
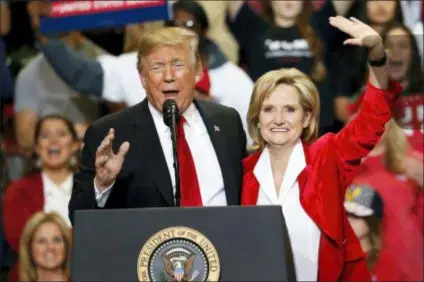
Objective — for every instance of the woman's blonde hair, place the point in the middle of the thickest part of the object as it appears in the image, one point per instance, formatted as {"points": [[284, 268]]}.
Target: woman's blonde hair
{"points": [[374, 236], [308, 96], [169, 36], [396, 147], [27, 268]]}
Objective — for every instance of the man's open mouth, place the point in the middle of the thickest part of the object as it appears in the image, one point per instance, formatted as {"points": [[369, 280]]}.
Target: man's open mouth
{"points": [[170, 92]]}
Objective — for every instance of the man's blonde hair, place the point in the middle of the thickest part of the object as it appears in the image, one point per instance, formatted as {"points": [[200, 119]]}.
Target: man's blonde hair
{"points": [[27, 268], [172, 37], [266, 84]]}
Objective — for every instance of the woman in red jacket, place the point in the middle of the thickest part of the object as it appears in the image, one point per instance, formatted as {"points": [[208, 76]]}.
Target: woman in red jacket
{"points": [[309, 179], [49, 187]]}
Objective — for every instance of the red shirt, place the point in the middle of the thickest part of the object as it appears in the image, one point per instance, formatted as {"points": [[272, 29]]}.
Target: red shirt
{"points": [[416, 139], [408, 112], [401, 253]]}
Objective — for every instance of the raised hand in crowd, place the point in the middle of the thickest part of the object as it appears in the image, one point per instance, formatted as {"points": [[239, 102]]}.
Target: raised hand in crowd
{"points": [[35, 10], [364, 36], [108, 164]]}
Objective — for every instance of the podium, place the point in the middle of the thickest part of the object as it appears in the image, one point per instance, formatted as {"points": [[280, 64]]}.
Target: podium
{"points": [[182, 244]]}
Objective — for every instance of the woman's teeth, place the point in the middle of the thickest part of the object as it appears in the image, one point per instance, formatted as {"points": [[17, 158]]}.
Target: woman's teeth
{"points": [[394, 63], [279, 130], [53, 151]]}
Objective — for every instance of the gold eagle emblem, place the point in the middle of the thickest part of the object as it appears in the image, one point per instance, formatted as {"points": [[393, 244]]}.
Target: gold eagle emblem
{"points": [[179, 270]]}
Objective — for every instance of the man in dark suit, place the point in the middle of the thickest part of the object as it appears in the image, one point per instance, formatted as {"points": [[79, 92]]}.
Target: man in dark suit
{"points": [[211, 139]]}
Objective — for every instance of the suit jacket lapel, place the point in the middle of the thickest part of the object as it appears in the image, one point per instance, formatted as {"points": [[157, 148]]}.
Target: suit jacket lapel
{"points": [[213, 127], [148, 141]]}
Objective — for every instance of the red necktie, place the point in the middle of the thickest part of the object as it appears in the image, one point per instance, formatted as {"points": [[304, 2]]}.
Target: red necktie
{"points": [[189, 185]]}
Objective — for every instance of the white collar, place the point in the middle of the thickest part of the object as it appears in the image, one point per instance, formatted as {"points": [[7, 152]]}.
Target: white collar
{"points": [[65, 186], [191, 116], [263, 172]]}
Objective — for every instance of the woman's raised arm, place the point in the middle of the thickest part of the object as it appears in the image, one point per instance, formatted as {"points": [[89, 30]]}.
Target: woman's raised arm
{"points": [[363, 132]]}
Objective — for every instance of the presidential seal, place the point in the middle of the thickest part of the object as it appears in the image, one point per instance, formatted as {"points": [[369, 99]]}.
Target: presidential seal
{"points": [[178, 254]]}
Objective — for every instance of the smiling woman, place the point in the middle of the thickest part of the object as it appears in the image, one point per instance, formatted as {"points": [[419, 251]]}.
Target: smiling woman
{"points": [[283, 95], [306, 176], [45, 249], [48, 186], [404, 61]]}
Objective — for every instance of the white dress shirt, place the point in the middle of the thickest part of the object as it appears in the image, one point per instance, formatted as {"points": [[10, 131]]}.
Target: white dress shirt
{"points": [[57, 197], [303, 232], [208, 170]]}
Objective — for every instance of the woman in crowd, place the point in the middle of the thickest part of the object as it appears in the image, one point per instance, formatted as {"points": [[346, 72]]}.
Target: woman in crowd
{"points": [[378, 14], [45, 249], [395, 171], [309, 179], [48, 186], [290, 34], [404, 66]]}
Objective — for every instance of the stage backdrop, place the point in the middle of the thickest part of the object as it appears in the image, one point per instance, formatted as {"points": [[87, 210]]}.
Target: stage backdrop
{"points": [[82, 15]]}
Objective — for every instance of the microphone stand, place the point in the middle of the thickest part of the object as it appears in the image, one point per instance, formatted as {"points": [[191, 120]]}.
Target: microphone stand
{"points": [[171, 117], [176, 162]]}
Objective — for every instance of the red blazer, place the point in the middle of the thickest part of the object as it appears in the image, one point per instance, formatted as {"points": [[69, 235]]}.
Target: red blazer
{"points": [[331, 163], [23, 198]]}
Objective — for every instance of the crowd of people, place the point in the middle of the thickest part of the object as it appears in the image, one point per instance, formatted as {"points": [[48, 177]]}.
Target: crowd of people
{"points": [[319, 106]]}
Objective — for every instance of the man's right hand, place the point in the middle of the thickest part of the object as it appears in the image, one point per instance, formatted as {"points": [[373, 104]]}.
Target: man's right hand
{"points": [[108, 164]]}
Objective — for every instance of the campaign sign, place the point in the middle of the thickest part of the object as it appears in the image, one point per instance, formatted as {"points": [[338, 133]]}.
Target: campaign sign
{"points": [[83, 15]]}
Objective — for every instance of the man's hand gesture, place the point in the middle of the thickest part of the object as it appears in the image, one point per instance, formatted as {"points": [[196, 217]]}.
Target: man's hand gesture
{"points": [[108, 164]]}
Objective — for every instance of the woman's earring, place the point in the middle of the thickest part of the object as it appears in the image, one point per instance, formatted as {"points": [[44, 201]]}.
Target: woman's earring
{"points": [[38, 162], [73, 161]]}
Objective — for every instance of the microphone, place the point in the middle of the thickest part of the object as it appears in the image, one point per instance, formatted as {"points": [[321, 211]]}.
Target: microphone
{"points": [[171, 117]]}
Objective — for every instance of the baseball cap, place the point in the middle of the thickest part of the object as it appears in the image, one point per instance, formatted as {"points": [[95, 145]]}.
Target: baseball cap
{"points": [[362, 200]]}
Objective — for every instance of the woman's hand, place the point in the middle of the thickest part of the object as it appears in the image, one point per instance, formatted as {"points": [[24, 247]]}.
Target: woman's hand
{"points": [[362, 35]]}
